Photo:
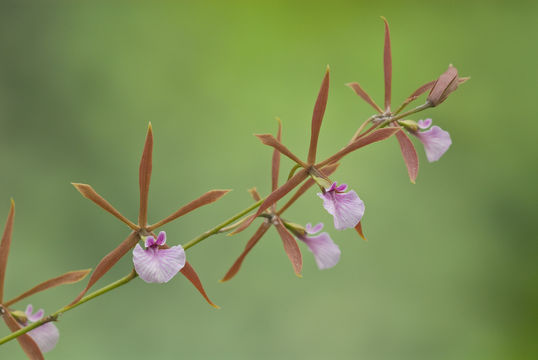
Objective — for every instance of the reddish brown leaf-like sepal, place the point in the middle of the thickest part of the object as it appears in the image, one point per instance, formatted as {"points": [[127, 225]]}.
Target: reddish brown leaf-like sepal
{"points": [[291, 248], [270, 140], [327, 171], [358, 228], [387, 65], [4, 247], [317, 117], [275, 161], [409, 155], [67, 278], [208, 198], [144, 173], [190, 274], [253, 241], [274, 197], [27, 343], [255, 194], [89, 193], [109, 261], [364, 95], [377, 135]]}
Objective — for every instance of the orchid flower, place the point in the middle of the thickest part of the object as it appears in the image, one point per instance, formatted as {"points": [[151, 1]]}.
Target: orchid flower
{"points": [[156, 265]]}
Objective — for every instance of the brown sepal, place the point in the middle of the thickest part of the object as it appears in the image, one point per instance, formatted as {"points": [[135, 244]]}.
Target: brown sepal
{"points": [[108, 261], [359, 230], [89, 193], [274, 197], [4, 247], [364, 95], [327, 171], [144, 174], [377, 135], [317, 117], [255, 194], [190, 274], [270, 140], [28, 345], [387, 65], [421, 90], [208, 198], [291, 248], [409, 155], [67, 278], [253, 241]]}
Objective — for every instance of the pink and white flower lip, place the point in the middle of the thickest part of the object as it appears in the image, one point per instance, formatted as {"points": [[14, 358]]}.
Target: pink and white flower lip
{"points": [[436, 141], [45, 336], [326, 252], [346, 207], [156, 265]]}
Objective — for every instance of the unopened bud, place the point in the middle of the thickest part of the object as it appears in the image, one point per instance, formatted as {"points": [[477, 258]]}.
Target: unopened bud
{"points": [[409, 125], [445, 84]]}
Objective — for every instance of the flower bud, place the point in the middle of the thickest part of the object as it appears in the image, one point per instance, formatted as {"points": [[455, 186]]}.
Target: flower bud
{"points": [[445, 84], [409, 124]]}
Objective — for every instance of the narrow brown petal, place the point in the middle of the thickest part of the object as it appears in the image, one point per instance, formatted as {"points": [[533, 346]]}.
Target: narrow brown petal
{"points": [[208, 198], [387, 65], [275, 163], [359, 230], [253, 241], [254, 193], [327, 171], [108, 261], [144, 173], [89, 193], [291, 248], [4, 247], [274, 197], [190, 274], [317, 117], [377, 135], [364, 95], [67, 278], [409, 155], [270, 140], [27, 343]]}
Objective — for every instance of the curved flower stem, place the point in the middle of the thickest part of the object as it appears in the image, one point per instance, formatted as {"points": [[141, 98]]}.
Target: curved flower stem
{"points": [[124, 280]]}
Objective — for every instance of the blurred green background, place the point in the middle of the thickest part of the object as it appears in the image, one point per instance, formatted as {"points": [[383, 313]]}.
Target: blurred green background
{"points": [[449, 271]]}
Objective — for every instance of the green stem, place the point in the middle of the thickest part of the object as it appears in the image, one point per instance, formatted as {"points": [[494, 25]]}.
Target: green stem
{"points": [[124, 280], [216, 229], [398, 117]]}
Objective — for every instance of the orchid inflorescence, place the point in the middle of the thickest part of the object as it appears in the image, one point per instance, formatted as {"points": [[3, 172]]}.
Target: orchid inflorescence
{"points": [[156, 262]]}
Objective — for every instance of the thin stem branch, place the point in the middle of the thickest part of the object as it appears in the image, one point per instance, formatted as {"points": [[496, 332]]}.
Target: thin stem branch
{"points": [[216, 229]]}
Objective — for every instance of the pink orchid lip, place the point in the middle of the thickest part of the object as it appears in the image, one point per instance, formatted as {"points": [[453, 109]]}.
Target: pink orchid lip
{"points": [[158, 265], [346, 207], [326, 252], [46, 336]]}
